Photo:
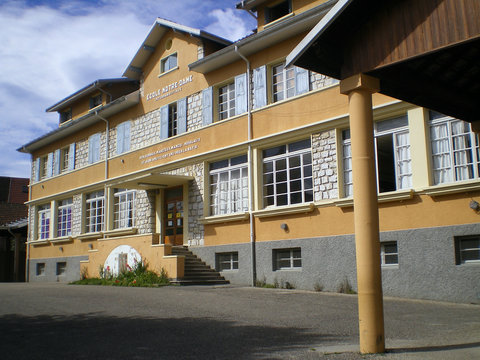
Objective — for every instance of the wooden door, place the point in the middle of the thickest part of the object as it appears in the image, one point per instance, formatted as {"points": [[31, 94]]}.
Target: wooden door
{"points": [[174, 216]]}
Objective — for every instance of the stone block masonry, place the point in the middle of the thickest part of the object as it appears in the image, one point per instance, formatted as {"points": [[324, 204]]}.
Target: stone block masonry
{"points": [[324, 166]]}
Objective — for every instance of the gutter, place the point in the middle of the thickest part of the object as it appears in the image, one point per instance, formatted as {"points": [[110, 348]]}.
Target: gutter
{"points": [[250, 170]]}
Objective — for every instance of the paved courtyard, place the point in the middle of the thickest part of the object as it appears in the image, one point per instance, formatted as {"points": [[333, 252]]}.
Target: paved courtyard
{"points": [[58, 321]]}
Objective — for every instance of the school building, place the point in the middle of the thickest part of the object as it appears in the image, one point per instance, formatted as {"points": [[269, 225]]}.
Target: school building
{"points": [[218, 149]]}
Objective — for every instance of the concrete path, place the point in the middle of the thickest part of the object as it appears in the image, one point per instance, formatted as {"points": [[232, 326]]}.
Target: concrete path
{"points": [[57, 321]]}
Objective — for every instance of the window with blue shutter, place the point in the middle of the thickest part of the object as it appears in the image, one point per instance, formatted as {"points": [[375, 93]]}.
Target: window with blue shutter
{"points": [[71, 157], [164, 122], [302, 84], [181, 116], [37, 169], [123, 137], [57, 160], [241, 98], [94, 148], [260, 86], [207, 106]]}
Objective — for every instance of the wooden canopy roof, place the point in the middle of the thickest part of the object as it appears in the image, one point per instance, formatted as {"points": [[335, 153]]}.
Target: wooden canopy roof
{"points": [[424, 52]]}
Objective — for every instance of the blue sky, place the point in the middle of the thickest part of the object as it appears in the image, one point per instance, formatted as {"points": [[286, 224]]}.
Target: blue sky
{"points": [[50, 49]]}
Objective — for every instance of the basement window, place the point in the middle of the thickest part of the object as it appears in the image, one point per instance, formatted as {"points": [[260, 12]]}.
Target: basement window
{"points": [[227, 261]]}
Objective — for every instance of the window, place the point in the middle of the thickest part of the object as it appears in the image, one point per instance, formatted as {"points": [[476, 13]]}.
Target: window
{"points": [[229, 186], [61, 268], [227, 261], [393, 160], [123, 137], [65, 115], [168, 63], [455, 153], [64, 218], [43, 222], [95, 205], [172, 120], [226, 101], [467, 249], [94, 148], [285, 259], [124, 208], [40, 269], [275, 12], [287, 174], [389, 253], [43, 167], [283, 82], [64, 158], [95, 101]]}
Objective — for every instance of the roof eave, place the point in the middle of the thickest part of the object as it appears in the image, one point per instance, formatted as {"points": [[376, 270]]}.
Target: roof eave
{"points": [[88, 119], [279, 32]]}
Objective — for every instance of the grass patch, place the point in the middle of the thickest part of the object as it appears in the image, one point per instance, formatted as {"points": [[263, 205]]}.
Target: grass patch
{"points": [[138, 276]]}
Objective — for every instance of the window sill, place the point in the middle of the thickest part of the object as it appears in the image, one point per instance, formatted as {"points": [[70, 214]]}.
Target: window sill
{"points": [[38, 242], [61, 239], [390, 267], [285, 210], [168, 72], [223, 218], [289, 269], [452, 188], [399, 195], [90, 236], [120, 232]]}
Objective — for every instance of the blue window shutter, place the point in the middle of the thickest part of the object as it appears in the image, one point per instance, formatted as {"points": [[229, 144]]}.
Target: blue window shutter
{"points": [[97, 148], [71, 157], [181, 116], [50, 164], [301, 81], [241, 98], [37, 169], [164, 122], [94, 148], [57, 161], [90, 149], [120, 138], [126, 136], [260, 86], [207, 106]]}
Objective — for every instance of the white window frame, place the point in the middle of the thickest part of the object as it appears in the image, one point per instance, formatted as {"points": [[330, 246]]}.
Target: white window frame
{"points": [[172, 119], [166, 65], [305, 167], [293, 256], [43, 167], [64, 217], [44, 222], [386, 254], [226, 101], [228, 194], [64, 159], [95, 212], [227, 261], [401, 154], [283, 82], [459, 158], [124, 208]]}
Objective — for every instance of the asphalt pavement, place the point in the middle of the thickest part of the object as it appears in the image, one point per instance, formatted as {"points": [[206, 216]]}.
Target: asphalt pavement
{"points": [[59, 321]]}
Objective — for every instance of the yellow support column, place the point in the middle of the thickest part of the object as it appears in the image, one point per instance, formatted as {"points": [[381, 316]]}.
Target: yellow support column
{"points": [[359, 89]]}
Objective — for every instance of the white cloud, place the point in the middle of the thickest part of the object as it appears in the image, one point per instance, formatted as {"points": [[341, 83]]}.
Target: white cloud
{"points": [[49, 51]]}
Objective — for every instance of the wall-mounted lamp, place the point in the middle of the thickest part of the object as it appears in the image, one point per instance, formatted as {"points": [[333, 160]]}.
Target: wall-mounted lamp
{"points": [[90, 246], [474, 205], [284, 226], [123, 161], [60, 248]]}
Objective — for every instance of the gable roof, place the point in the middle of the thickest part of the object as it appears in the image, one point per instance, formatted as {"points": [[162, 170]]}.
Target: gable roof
{"points": [[157, 31]]}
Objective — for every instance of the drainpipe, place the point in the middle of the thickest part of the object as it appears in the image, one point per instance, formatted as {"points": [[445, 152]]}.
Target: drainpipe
{"points": [[250, 171], [107, 129]]}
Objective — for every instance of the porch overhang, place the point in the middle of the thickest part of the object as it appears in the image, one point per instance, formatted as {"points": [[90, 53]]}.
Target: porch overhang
{"points": [[150, 181]]}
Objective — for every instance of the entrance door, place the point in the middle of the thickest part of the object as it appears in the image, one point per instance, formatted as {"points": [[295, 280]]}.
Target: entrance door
{"points": [[174, 216]]}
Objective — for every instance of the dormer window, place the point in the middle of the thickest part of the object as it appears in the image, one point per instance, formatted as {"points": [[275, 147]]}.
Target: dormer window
{"points": [[65, 115], [277, 11], [168, 63], [95, 101]]}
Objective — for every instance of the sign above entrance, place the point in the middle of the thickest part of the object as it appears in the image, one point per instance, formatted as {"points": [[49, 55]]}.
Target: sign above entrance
{"points": [[168, 90], [173, 150]]}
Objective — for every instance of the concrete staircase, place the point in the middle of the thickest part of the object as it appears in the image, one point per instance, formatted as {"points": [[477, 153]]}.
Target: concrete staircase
{"points": [[196, 271]]}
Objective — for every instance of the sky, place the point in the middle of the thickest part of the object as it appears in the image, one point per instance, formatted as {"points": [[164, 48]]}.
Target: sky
{"points": [[51, 48]]}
